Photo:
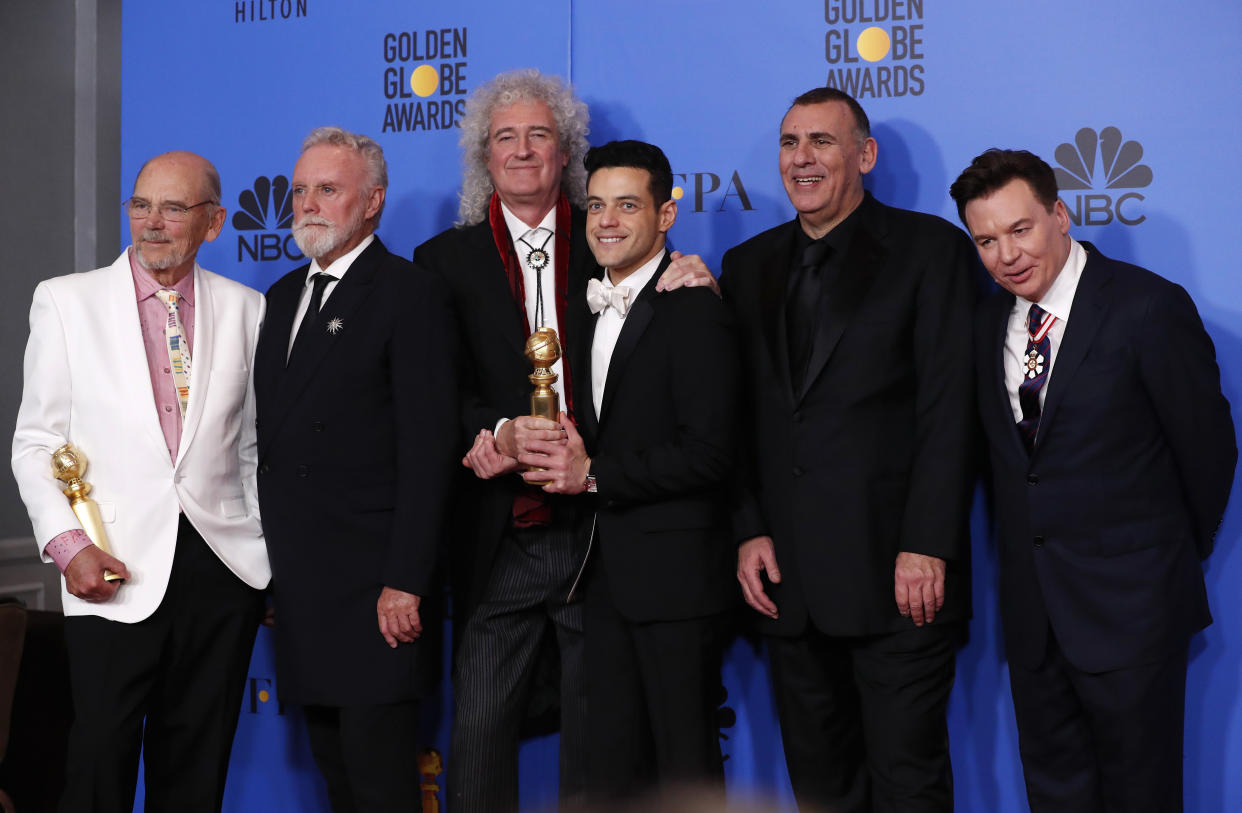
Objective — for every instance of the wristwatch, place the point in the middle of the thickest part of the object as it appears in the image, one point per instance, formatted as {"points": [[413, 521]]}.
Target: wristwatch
{"points": [[591, 487]]}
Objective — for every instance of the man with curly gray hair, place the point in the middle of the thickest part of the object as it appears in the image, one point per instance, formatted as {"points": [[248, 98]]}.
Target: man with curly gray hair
{"points": [[516, 257]]}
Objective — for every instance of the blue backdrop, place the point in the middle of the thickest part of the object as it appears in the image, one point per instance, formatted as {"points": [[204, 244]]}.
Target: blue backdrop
{"points": [[1135, 103]]}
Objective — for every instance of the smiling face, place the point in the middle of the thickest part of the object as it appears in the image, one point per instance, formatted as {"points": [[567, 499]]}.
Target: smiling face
{"points": [[625, 228], [164, 246], [333, 202], [1021, 242], [822, 162], [524, 156]]}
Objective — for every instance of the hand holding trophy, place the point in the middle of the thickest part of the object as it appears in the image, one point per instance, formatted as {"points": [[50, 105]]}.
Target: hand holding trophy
{"points": [[543, 349], [68, 466]]}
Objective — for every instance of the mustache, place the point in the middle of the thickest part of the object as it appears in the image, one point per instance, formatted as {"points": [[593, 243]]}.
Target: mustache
{"points": [[313, 220], [152, 236]]}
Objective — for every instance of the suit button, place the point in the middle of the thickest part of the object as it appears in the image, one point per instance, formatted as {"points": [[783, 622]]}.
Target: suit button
{"points": [[1032, 479], [1039, 541], [264, 469], [317, 426], [302, 471], [797, 471]]}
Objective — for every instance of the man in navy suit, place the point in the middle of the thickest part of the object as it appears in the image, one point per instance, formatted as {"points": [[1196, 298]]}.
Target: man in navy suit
{"points": [[351, 492], [1112, 453]]}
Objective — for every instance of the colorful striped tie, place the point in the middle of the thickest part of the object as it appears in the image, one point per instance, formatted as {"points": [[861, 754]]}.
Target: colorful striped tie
{"points": [[178, 348], [1035, 368]]}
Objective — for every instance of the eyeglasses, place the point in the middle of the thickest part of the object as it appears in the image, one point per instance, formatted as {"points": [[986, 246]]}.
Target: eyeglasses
{"points": [[139, 209]]}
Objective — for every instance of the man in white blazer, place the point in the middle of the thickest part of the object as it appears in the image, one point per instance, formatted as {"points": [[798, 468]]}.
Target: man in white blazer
{"points": [[145, 366]]}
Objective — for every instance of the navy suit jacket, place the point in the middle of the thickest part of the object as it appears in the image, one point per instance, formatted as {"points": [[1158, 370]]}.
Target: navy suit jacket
{"points": [[1102, 527], [353, 474]]}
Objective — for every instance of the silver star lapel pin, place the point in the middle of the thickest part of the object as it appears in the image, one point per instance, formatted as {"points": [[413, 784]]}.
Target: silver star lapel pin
{"points": [[335, 325]]}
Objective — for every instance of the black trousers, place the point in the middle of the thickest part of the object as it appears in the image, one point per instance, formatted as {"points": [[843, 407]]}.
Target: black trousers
{"points": [[525, 598], [368, 755], [863, 718], [652, 693], [1110, 742], [172, 682]]}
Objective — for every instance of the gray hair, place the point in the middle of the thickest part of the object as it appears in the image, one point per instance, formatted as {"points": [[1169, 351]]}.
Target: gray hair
{"points": [[525, 85], [372, 153]]}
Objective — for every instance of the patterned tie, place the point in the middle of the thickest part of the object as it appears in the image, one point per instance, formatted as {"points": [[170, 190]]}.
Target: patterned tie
{"points": [[320, 281], [178, 348], [805, 286], [1034, 371]]}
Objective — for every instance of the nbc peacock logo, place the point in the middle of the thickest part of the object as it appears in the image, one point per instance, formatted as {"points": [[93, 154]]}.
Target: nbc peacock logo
{"points": [[264, 209], [1106, 163]]}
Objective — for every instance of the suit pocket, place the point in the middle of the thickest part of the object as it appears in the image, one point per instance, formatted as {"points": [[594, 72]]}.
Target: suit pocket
{"points": [[1136, 536], [233, 507]]}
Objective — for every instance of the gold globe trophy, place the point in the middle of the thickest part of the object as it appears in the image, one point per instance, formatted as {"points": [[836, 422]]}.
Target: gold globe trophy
{"points": [[543, 349], [68, 466]]}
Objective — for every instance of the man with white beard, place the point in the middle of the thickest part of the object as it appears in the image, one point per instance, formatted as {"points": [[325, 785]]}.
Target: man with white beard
{"points": [[351, 485]]}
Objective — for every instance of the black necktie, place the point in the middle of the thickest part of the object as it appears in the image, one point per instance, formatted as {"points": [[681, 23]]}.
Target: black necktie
{"points": [[320, 281], [806, 284]]}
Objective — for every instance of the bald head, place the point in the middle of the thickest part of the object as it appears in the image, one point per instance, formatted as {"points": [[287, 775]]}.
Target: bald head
{"points": [[208, 184]]}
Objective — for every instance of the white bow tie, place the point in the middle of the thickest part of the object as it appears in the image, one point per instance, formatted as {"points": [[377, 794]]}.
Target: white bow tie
{"points": [[600, 296]]}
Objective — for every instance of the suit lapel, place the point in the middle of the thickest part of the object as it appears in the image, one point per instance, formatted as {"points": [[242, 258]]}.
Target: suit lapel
{"points": [[845, 293], [484, 272], [1086, 316], [582, 327], [200, 371], [338, 316], [772, 295], [133, 376], [632, 329]]}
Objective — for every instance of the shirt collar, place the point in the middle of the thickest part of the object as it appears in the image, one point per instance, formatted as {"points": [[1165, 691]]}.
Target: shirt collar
{"points": [[1060, 295], [639, 278], [341, 264], [146, 286], [519, 229]]}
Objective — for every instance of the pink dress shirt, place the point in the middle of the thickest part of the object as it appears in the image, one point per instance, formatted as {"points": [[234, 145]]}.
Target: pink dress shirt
{"points": [[152, 317]]}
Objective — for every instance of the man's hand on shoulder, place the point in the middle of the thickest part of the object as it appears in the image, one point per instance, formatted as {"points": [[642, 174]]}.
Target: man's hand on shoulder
{"points": [[686, 271], [756, 556], [398, 616], [84, 576], [918, 583]]}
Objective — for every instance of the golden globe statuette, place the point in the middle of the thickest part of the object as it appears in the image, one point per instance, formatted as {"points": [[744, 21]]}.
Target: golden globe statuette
{"points": [[543, 349], [68, 466]]}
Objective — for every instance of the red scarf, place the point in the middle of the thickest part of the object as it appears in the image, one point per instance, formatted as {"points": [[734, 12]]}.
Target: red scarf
{"points": [[530, 506]]}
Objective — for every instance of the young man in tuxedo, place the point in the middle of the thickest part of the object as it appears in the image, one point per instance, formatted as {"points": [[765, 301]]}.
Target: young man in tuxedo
{"points": [[657, 399], [1112, 454]]}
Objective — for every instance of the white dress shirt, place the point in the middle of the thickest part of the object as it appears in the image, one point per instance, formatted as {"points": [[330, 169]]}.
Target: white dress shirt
{"points": [[609, 323], [1056, 302], [337, 269]]}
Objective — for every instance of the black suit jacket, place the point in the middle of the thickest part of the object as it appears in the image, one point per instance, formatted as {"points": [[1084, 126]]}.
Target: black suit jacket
{"points": [[662, 451], [352, 476], [1101, 529], [494, 379], [874, 456]]}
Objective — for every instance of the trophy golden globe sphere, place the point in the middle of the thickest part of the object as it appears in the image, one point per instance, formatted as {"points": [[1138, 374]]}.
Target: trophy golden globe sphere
{"points": [[543, 348], [68, 463]]}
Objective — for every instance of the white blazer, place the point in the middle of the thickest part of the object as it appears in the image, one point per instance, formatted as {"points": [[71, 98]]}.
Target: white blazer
{"points": [[87, 383]]}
